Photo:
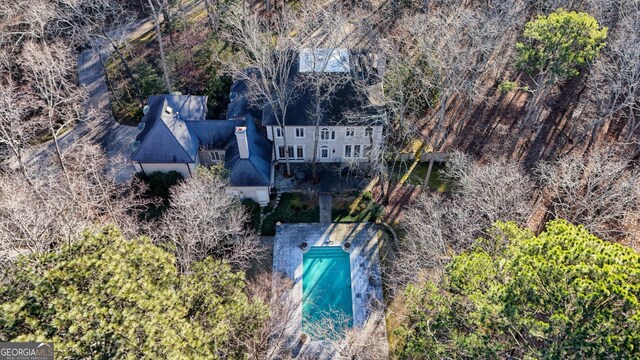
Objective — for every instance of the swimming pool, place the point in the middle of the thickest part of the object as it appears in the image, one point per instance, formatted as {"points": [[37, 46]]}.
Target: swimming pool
{"points": [[326, 289]]}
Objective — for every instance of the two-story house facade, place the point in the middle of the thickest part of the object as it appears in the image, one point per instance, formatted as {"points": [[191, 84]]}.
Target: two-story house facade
{"points": [[175, 134], [349, 126], [334, 143]]}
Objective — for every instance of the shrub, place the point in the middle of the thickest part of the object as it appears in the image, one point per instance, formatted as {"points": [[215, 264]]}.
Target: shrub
{"points": [[160, 183], [253, 209]]}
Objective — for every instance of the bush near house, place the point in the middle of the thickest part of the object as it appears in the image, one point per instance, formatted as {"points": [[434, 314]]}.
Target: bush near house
{"points": [[158, 187], [253, 209], [293, 208]]}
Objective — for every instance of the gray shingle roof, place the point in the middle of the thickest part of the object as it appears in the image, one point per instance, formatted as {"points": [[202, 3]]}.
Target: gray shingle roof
{"points": [[256, 170], [345, 99], [170, 138], [165, 137]]}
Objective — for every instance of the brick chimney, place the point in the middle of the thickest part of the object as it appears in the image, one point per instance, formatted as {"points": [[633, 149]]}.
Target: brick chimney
{"points": [[243, 143]]}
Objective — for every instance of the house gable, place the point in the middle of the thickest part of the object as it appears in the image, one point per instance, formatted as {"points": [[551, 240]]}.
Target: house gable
{"points": [[167, 143]]}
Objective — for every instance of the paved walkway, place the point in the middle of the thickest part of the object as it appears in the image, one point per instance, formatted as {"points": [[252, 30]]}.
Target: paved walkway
{"points": [[325, 202]]}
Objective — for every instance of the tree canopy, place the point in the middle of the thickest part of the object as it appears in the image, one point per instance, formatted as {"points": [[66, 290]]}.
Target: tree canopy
{"points": [[560, 43], [104, 297], [562, 294]]}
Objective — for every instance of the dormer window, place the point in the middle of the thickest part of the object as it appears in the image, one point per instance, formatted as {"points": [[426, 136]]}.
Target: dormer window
{"points": [[210, 157]]}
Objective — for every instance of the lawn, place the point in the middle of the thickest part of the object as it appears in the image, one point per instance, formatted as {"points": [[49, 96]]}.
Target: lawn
{"points": [[351, 207], [436, 181], [293, 208]]}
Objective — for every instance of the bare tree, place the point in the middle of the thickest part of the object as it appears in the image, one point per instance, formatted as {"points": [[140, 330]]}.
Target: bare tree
{"points": [[339, 340], [24, 21], [267, 62], [16, 131], [615, 85], [103, 24], [459, 48], [55, 210], [205, 219], [322, 29], [598, 190], [49, 68], [163, 61], [273, 340], [439, 227]]}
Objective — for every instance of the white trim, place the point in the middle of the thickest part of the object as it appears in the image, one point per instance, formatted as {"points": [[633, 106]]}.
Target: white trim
{"points": [[331, 134], [353, 132], [295, 132], [350, 156], [295, 152], [325, 147], [277, 132], [303, 152]]}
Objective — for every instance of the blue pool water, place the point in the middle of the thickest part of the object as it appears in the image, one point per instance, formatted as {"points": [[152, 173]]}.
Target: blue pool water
{"points": [[326, 289]]}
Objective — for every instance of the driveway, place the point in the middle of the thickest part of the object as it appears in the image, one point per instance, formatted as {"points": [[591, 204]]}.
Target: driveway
{"points": [[100, 126]]}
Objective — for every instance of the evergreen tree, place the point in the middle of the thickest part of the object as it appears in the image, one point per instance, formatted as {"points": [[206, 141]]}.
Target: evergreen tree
{"points": [[105, 297], [564, 294]]}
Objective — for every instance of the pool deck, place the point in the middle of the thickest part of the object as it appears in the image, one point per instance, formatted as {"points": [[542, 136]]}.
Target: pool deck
{"points": [[366, 279]]}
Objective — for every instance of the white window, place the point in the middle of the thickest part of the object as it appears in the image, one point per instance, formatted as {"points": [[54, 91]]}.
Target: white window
{"points": [[324, 134], [300, 152], [278, 132], [356, 150], [347, 151], [349, 132], [368, 132], [215, 156], [366, 150], [324, 152], [290, 151], [281, 154], [299, 132]]}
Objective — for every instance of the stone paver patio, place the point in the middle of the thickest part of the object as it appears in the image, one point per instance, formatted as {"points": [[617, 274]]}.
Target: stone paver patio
{"points": [[366, 280], [331, 179]]}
